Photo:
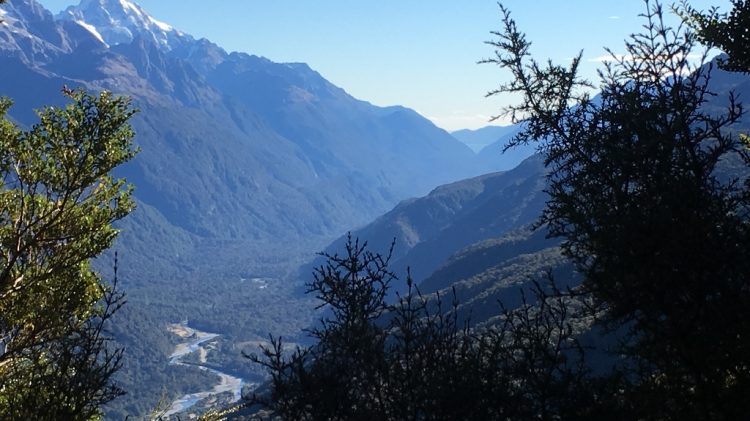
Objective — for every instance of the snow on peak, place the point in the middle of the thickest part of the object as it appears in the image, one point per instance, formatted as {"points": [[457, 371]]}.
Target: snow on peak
{"points": [[163, 26], [130, 6], [93, 30], [120, 22], [3, 20]]}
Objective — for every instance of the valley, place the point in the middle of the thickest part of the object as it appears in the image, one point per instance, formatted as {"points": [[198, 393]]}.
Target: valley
{"points": [[250, 171], [246, 166]]}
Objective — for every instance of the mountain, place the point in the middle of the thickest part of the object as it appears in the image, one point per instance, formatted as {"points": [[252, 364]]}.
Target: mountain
{"points": [[479, 138], [246, 167], [497, 271], [429, 230], [489, 143], [474, 235], [117, 22], [495, 155], [235, 148], [29, 34]]}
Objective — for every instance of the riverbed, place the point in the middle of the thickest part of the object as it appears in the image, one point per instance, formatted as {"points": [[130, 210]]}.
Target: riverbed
{"points": [[196, 341]]}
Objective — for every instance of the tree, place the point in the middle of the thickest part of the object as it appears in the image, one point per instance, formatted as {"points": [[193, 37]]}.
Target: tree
{"points": [[58, 201], [340, 377], [413, 360], [657, 228], [661, 238], [727, 32]]}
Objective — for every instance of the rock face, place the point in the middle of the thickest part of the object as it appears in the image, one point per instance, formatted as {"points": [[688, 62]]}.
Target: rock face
{"points": [[117, 22]]}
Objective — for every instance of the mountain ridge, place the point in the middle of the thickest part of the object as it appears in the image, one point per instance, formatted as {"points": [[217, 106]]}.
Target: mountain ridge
{"points": [[247, 167], [318, 125], [117, 22], [428, 230]]}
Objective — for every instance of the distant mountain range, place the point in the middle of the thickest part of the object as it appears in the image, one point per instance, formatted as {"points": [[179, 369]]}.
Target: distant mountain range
{"points": [[247, 166], [478, 139], [430, 229], [490, 144], [237, 152], [476, 235]]}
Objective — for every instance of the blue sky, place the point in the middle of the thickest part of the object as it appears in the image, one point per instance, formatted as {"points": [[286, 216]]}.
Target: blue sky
{"points": [[421, 54]]}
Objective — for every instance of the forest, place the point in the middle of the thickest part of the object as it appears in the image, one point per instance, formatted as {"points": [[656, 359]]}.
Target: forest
{"points": [[623, 295]]}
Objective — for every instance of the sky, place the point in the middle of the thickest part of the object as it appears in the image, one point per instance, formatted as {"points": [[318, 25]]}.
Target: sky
{"points": [[415, 53]]}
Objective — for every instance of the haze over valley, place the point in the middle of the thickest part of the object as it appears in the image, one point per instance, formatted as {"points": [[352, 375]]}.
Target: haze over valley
{"points": [[246, 168]]}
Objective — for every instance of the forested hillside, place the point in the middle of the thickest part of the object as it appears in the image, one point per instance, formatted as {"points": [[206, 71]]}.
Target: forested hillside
{"points": [[603, 276], [246, 168], [636, 310]]}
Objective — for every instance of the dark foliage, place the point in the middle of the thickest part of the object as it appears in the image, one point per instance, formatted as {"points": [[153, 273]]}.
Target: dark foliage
{"points": [[726, 31], [662, 242], [415, 361]]}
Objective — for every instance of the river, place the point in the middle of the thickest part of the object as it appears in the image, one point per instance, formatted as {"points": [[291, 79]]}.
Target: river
{"points": [[194, 342]]}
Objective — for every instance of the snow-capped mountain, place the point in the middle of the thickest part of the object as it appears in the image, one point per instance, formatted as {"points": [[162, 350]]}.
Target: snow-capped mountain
{"points": [[121, 21], [246, 166], [30, 32], [234, 147]]}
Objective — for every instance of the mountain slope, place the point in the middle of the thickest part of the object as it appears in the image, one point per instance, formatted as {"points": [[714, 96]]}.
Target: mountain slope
{"points": [[428, 230], [121, 21], [498, 271], [234, 148], [496, 157], [479, 138], [466, 234], [246, 168]]}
